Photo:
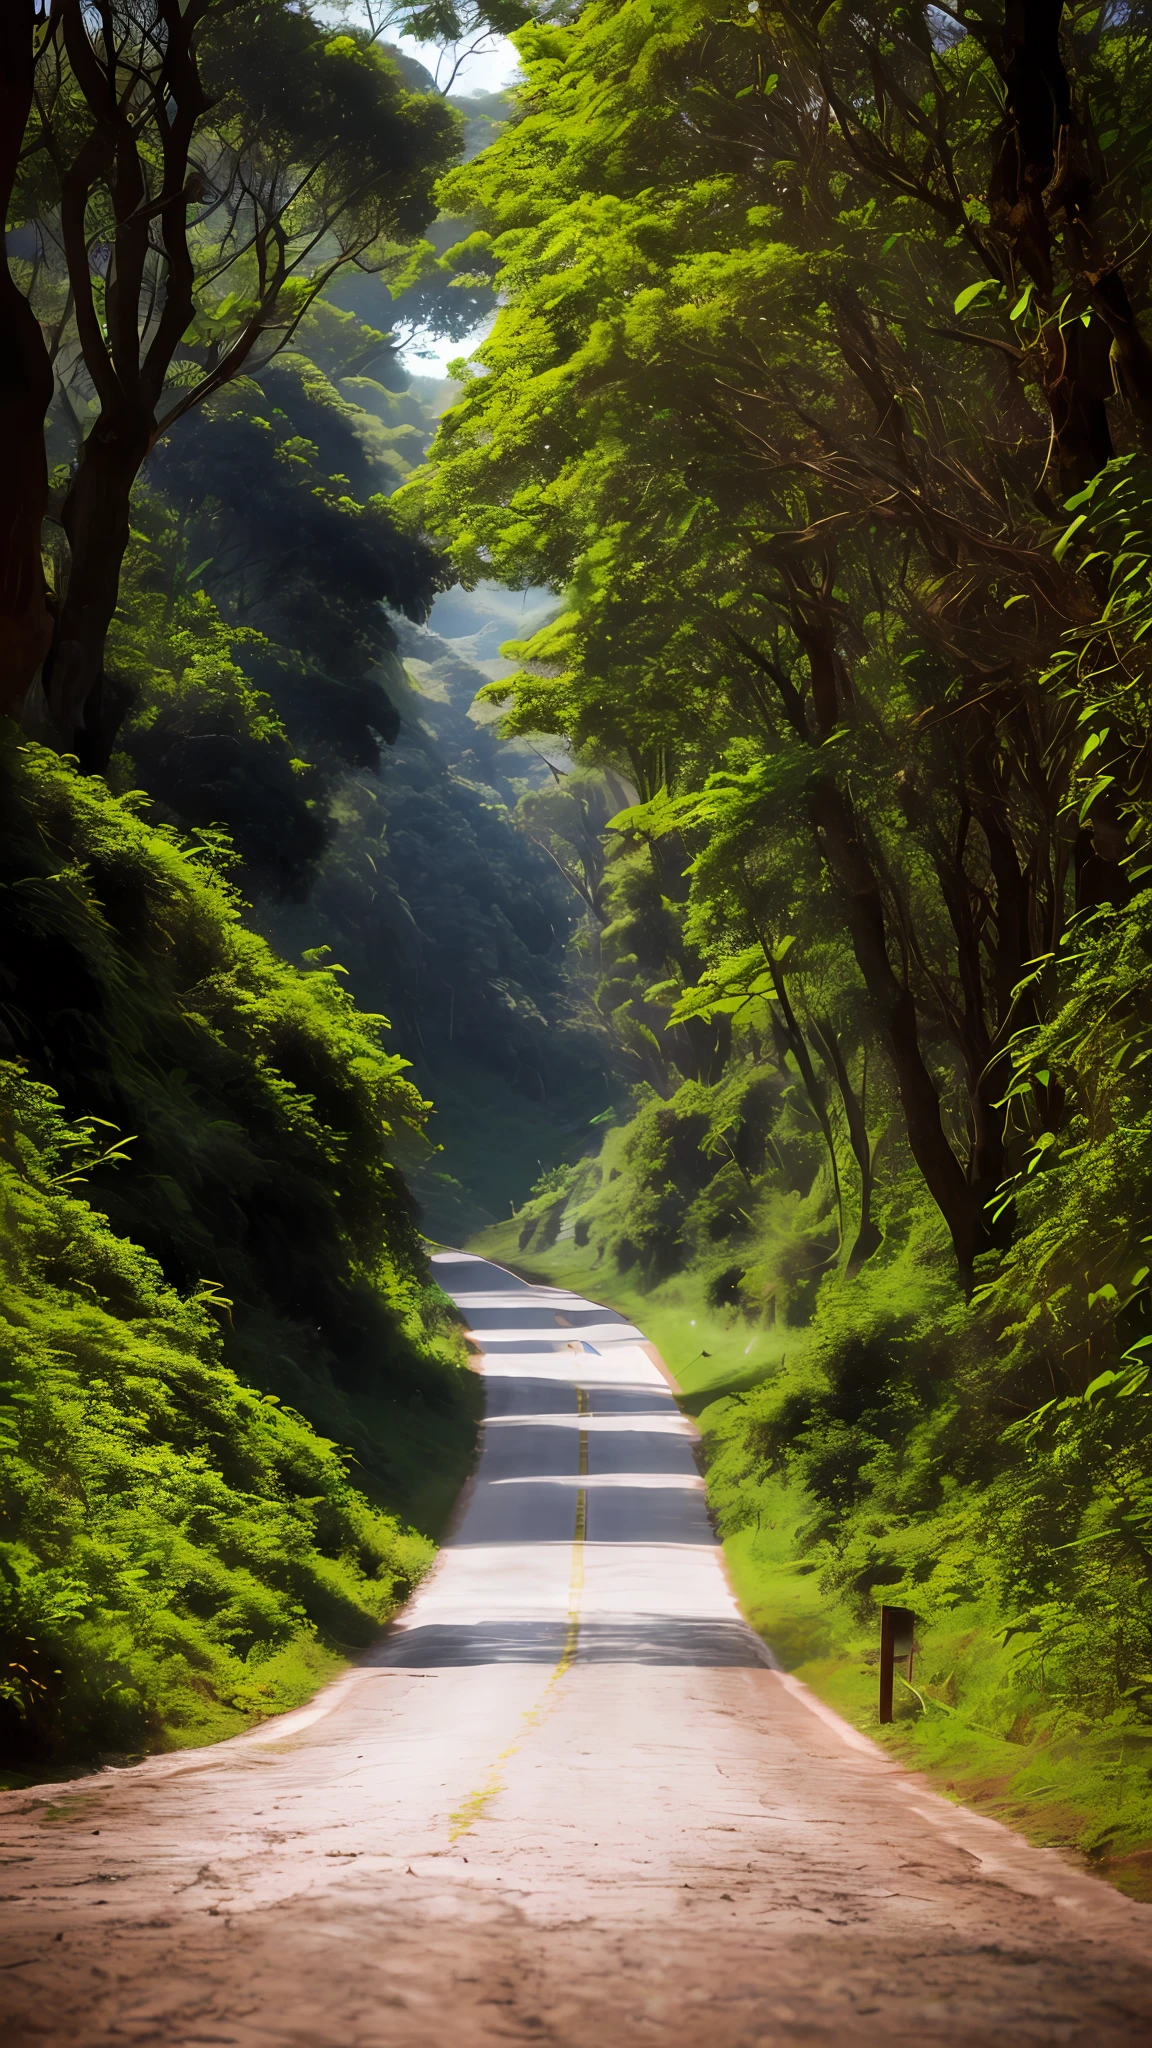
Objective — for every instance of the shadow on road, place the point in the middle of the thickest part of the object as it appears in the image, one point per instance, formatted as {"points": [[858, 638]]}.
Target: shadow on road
{"points": [[631, 1639]]}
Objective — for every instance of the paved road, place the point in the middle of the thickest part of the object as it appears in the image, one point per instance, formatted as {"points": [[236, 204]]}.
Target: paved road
{"points": [[568, 1800]]}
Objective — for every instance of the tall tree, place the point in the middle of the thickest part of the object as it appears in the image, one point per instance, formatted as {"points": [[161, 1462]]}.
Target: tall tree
{"points": [[192, 178], [773, 399], [25, 395]]}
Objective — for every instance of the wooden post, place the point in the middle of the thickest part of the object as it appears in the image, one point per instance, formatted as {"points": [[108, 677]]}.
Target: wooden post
{"points": [[897, 1640]]}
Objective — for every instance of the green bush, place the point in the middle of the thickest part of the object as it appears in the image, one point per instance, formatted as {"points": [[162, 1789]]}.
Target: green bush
{"points": [[263, 1117], [208, 1254], [177, 1551]]}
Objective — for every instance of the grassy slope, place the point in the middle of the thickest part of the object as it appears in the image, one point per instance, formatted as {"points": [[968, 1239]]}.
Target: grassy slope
{"points": [[233, 1417], [180, 1553], [1092, 1794]]}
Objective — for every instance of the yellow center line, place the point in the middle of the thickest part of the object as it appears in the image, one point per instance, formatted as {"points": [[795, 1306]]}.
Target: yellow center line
{"points": [[576, 1582], [472, 1808]]}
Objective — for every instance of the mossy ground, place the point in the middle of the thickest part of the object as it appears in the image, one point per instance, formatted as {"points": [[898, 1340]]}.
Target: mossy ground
{"points": [[972, 1725]]}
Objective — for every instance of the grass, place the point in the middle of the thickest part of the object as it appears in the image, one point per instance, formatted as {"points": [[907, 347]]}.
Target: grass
{"points": [[233, 1414], [494, 1141], [971, 1725], [181, 1551]]}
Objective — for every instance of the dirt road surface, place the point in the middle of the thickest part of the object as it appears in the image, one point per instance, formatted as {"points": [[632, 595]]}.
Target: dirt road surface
{"points": [[567, 1800]]}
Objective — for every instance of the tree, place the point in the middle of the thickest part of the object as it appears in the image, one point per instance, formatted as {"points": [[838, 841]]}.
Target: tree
{"points": [[569, 818], [193, 177], [770, 399], [25, 395]]}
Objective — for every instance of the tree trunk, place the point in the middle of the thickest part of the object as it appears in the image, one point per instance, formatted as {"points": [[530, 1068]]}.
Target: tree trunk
{"points": [[975, 1037], [869, 1236], [1100, 877], [25, 395], [96, 519], [1078, 384], [842, 849], [797, 1045], [1041, 168], [1038, 108], [960, 1204], [128, 345]]}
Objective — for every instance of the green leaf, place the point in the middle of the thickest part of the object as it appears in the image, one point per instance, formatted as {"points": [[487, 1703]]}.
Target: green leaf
{"points": [[1043, 1144], [971, 292], [1068, 536], [1095, 788]]}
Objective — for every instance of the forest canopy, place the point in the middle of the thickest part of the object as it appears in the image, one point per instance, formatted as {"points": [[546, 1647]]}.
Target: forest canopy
{"points": [[188, 182], [785, 362]]}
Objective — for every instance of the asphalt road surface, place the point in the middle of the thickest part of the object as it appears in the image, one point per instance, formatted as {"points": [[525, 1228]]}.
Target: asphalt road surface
{"points": [[568, 1799]]}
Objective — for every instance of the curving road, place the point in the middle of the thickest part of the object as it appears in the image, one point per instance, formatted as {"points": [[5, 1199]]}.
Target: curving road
{"points": [[567, 1800]]}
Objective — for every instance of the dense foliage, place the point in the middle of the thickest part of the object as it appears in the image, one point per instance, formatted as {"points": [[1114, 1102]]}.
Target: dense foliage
{"points": [[187, 181], [202, 1220], [182, 1551], [225, 1372], [453, 922], [821, 394], [260, 667]]}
